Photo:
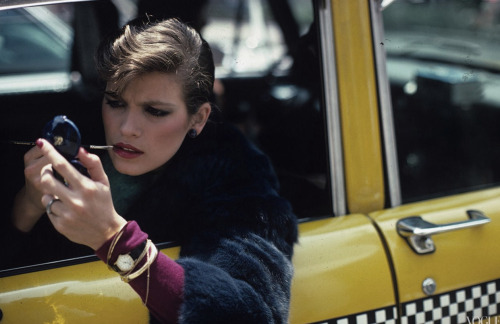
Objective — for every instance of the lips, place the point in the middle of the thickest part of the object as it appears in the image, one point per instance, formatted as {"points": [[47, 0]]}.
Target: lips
{"points": [[127, 151]]}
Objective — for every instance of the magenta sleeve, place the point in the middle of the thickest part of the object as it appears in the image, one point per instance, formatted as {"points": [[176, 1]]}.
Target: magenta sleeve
{"points": [[166, 281]]}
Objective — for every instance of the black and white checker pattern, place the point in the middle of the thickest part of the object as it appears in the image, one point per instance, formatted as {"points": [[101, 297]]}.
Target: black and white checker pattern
{"points": [[459, 306], [379, 316], [456, 307]]}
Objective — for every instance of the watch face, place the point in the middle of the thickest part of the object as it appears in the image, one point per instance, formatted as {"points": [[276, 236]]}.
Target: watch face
{"points": [[124, 262]]}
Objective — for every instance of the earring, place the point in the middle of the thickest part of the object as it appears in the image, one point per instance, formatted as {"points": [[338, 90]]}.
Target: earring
{"points": [[192, 133]]}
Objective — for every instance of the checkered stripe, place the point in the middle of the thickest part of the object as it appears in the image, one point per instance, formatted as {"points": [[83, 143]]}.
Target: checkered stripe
{"points": [[379, 316], [455, 307], [459, 306]]}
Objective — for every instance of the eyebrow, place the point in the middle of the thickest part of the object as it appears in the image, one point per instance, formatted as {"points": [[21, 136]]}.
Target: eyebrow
{"points": [[115, 95], [155, 103]]}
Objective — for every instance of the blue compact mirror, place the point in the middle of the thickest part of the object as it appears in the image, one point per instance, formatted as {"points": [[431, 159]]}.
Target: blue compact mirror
{"points": [[63, 134]]}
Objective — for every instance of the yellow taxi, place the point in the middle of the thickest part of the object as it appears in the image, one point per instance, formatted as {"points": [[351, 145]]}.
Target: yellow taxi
{"points": [[381, 119]]}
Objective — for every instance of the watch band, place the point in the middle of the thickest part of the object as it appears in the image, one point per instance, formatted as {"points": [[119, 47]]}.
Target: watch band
{"points": [[135, 254]]}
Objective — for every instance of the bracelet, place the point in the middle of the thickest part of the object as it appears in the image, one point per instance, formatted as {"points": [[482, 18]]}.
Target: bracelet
{"points": [[113, 244], [152, 252], [137, 254]]}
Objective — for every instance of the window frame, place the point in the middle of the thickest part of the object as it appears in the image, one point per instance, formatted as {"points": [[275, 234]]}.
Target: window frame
{"points": [[393, 186], [332, 107]]}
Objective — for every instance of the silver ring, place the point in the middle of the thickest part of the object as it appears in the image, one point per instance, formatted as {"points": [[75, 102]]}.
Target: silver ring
{"points": [[49, 206]]}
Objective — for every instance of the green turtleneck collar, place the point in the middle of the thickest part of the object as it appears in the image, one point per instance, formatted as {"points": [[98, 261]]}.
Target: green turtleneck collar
{"points": [[125, 189]]}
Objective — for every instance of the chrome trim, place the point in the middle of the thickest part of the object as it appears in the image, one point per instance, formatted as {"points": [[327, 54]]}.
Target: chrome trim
{"points": [[386, 3], [386, 116], [12, 4], [332, 108], [418, 232]]}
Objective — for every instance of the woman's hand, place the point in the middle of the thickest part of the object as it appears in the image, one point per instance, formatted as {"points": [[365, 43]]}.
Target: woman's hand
{"points": [[28, 207], [84, 212]]}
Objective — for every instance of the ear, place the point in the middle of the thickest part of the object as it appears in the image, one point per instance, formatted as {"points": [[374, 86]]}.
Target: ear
{"points": [[199, 120]]}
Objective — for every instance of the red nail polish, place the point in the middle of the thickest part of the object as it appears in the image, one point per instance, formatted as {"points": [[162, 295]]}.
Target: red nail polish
{"points": [[39, 143]]}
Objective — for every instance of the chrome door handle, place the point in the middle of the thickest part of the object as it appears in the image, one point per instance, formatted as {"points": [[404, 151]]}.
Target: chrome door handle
{"points": [[417, 231]]}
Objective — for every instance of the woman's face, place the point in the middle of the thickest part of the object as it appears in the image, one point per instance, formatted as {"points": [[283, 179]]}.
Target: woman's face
{"points": [[146, 124]]}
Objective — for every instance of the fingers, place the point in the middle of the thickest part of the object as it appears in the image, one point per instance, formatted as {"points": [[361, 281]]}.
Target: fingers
{"points": [[49, 202], [53, 208], [32, 155], [56, 211], [91, 224], [59, 163], [34, 165], [85, 213], [77, 184], [90, 161], [34, 161], [93, 165], [51, 186]]}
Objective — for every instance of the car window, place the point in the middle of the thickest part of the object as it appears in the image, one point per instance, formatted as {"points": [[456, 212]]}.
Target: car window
{"points": [[35, 40], [272, 91], [244, 36], [443, 62], [303, 12], [267, 85]]}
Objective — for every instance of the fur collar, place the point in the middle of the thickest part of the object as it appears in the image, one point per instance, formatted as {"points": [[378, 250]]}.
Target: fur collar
{"points": [[216, 185]]}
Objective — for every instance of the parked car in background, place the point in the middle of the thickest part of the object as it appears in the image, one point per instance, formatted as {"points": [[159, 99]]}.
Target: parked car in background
{"points": [[381, 120]]}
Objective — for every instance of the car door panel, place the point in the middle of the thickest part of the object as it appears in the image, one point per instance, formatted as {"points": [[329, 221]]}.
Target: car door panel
{"points": [[340, 269], [341, 272], [464, 265], [447, 150], [82, 293]]}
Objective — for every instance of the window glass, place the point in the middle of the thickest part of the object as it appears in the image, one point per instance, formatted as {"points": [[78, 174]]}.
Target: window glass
{"points": [[243, 35], [303, 13], [270, 89], [36, 39], [443, 61]]}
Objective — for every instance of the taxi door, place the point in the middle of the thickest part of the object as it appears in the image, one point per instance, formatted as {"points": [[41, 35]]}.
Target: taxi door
{"points": [[342, 271], [440, 146]]}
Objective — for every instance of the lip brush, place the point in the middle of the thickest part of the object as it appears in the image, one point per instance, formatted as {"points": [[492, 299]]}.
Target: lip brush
{"points": [[91, 147]]}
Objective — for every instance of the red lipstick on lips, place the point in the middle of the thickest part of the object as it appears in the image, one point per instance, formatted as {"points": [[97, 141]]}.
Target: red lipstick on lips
{"points": [[126, 151]]}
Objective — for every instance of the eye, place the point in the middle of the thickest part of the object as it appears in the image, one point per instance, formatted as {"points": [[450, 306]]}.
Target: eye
{"points": [[156, 112], [114, 103]]}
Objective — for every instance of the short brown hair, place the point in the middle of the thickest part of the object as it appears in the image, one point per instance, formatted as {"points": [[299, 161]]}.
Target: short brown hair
{"points": [[167, 46]]}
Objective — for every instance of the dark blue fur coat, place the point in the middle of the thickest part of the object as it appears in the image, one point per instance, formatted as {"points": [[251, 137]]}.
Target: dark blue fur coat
{"points": [[218, 197]]}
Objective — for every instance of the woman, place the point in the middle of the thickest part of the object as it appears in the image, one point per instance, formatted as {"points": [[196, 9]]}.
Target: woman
{"points": [[173, 174]]}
